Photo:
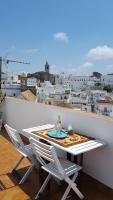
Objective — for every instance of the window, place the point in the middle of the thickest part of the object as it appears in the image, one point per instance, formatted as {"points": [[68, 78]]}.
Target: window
{"points": [[105, 109]]}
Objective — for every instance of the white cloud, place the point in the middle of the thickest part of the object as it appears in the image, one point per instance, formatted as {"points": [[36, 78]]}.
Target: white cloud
{"points": [[108, 69], [84, 69], [61, 36], [87, 65], [100, 53], [31, 50]]}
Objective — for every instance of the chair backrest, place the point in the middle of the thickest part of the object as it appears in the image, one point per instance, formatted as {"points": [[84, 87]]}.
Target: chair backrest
{"points": [[14, 136], [46, 152]]}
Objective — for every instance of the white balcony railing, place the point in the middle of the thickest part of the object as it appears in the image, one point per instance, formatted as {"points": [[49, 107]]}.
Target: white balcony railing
{"points": [[97, 163]]}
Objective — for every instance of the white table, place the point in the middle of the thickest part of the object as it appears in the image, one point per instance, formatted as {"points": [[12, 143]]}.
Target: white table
{"points": [[74, 149]]}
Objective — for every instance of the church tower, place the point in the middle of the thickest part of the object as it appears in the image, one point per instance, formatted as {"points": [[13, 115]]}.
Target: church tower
{"points": [[47, 67]]}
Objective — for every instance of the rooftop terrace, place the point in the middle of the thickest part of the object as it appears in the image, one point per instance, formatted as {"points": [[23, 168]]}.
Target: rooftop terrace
{"points": [[96, 180]]}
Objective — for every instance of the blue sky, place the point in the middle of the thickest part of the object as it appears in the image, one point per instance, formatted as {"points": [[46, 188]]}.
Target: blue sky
{"points": [[75, 36]]}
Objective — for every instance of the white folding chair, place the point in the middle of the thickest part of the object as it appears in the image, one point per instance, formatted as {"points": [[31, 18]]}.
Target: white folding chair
{"points": [[24, 150], [57, 167]]}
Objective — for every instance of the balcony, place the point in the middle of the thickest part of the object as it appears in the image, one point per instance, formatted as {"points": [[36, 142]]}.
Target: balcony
{"points": [[96, 180]]}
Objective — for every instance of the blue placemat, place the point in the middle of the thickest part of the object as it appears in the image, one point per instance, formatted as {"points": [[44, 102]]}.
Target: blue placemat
{"points": [[57, 135]]}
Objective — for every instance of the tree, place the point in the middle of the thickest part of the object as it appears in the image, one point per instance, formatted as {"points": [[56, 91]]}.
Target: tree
{"points": [[108, 88]]}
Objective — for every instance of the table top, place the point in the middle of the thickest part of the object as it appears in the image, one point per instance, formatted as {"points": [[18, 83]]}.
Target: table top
{"points": [[68, 140], [74, 149]]}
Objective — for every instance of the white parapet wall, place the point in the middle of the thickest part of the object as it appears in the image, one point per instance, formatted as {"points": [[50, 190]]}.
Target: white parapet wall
{"points": [[97, 163]]}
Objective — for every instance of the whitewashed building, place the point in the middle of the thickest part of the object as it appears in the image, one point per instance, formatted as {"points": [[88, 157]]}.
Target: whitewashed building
{"points": [[107, 79], [76, 83], [58, 99], [78, 98], [59, 78], [95, 95], [9, 78], [104, 107], [88, 96], [47, 89], [10, 84], [31, 82]]}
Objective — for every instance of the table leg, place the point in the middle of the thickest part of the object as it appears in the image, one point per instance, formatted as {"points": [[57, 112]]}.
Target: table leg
{"points": [[75, 159], [78, 159], [81, 159], [69, 156]]}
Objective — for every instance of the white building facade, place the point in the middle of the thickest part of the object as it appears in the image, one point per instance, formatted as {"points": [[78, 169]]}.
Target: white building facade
{"points": [[10, 84], [31, 82], [107, 79], [76, 83], [47, 89]]}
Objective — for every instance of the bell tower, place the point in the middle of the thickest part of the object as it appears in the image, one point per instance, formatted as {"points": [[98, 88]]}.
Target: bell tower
{"points": [[47, 67]]}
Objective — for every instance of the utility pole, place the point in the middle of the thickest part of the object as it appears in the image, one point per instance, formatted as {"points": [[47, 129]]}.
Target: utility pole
{"points": [[7, 61]]}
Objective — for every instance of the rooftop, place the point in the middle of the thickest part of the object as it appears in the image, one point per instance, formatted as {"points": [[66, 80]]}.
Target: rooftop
{"points": [[28, 95], [91, 188]]}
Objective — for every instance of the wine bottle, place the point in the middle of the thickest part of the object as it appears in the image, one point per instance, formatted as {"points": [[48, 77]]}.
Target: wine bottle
{"points": [[59, 126]]}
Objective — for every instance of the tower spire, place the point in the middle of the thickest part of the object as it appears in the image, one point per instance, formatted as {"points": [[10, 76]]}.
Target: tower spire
{"points": [[47, 67]]}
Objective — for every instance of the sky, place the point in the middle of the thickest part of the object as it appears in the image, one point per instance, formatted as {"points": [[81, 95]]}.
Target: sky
{"points": [[74, 36]]}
